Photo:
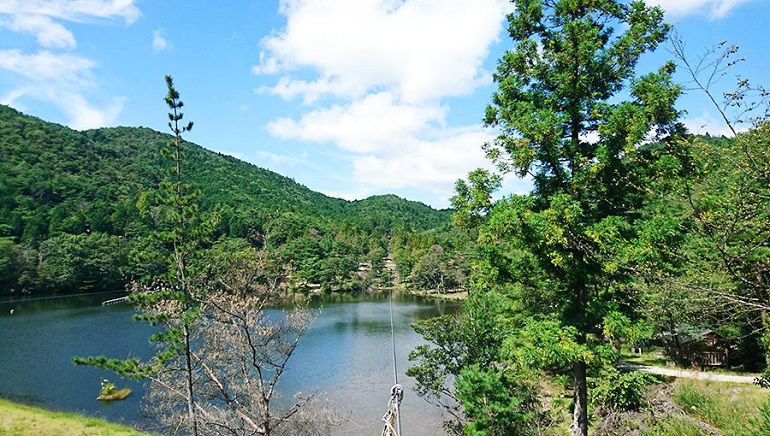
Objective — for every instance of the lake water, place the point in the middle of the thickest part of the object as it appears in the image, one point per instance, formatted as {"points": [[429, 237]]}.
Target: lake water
{"points": [[347, 355]]}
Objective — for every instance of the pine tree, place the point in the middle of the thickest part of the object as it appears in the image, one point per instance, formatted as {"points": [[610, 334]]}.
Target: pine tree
{"points": [[171, 301]]}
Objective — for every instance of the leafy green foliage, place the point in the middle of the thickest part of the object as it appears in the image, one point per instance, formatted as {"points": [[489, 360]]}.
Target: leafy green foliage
{"points": [[170, 301], [458, 370], [15, 267], [542, 344], [619, 329], [730, 204], [717, 194], [87, 262], [496, 402], [725, 185], [473, 198], [106, 387]]}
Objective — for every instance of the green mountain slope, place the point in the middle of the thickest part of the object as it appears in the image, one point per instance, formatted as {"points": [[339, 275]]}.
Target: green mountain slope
{"points": [[55, 179], [58, 185]]}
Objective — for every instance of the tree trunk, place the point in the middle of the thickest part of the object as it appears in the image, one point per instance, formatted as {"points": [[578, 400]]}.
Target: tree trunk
{"points": [[189, 382], [580, 415], [266, 425], [765, 324]]}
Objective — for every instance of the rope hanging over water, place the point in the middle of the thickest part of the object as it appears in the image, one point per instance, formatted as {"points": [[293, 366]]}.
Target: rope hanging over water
{"points": [[392, 417]]}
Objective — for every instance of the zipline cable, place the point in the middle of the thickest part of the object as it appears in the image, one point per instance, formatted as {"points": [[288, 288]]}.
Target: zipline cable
{"points": [[393, 340], [396, 392]]}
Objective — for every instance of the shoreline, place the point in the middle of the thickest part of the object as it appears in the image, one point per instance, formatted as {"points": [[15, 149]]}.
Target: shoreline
{"points": [[21, 419]]}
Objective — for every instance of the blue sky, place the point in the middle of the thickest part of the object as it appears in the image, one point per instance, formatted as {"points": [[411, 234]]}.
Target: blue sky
{"points": [[348, 97]]}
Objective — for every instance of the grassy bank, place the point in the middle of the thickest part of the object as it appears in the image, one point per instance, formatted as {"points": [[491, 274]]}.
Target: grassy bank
{"points": [[684, 407], [19, 420], [714, 408]]}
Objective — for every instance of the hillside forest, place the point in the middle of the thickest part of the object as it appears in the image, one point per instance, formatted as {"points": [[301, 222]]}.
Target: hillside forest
{"points": [[76, 216], [636, 232]]}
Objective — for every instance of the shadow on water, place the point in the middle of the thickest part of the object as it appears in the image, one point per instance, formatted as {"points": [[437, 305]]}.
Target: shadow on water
{"points": [[24, 304], [347, 355]]}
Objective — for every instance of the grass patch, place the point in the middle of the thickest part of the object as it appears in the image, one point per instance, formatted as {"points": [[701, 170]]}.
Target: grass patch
{"points": [[683, 407], [673, 426], [729, 407], [20, 420], [646, 359]]}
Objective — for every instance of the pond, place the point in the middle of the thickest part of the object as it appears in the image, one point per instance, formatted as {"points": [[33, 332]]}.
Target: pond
{"points": [[347, 356]]}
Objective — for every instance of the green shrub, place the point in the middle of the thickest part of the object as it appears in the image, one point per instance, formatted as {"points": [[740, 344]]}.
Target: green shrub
{"points": [[616, 390], [107, 388], [496, 402]]}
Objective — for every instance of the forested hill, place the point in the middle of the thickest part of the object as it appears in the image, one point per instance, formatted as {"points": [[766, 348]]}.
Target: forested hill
{"points": [[57, 181]]}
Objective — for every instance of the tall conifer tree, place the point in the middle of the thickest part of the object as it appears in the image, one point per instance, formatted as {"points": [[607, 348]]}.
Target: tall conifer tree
{"points": [[572, 115], [171, 301]]}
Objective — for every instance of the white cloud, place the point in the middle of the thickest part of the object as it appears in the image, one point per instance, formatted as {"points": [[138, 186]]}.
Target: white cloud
{"points": [[49, 34], [289, 88], [41, 17], [10, 99], [61, 79], [388, 66], [267, 65], [46, 66], [160, 41], [715, 9], [514, 185], [84, 115], [432, 165], [706, 123], [421, 50], [74, 10], [424, 171], [289, 159], [374, 124]]}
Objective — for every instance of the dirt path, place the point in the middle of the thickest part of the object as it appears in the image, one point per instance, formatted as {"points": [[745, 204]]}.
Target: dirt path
{"points": [[690, 374]]}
